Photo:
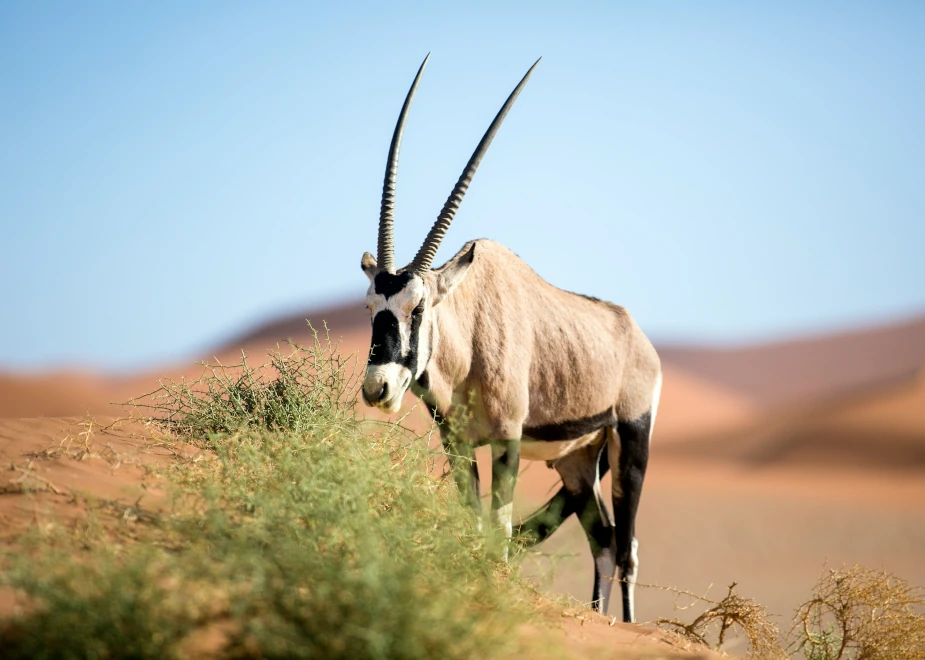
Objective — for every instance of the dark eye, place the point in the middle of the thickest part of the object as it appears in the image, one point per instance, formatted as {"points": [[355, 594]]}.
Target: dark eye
{"points": [[417, 311]]}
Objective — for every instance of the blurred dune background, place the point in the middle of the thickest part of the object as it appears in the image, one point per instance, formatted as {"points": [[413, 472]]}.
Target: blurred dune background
{"points": [[767, 460], [182, 183]]}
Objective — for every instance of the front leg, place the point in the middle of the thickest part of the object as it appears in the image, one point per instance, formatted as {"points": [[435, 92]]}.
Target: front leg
{"points": [[461, 456], [505, 462]]}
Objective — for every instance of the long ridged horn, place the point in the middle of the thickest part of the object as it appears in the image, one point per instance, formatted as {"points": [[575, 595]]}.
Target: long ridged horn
{"points": [[425, 256], [386, 249]]}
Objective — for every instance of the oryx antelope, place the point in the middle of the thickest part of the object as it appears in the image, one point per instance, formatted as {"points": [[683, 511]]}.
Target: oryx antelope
{"points": [[548, 375]]}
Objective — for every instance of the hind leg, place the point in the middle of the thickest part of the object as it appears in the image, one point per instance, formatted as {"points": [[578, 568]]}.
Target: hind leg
{"points": [[598, 527], [545, 520], [629, 456], [549, 517], [580, 472]]}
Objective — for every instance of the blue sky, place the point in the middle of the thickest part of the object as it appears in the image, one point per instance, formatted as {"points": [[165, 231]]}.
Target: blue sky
{"points": [[174, 172]]}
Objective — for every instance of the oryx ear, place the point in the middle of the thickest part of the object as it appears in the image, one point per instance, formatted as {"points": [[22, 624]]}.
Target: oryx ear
{"points": [[453, 273], [368, 264]]}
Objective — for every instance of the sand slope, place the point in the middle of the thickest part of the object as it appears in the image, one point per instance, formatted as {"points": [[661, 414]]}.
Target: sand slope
{"points": [[58, 465]]}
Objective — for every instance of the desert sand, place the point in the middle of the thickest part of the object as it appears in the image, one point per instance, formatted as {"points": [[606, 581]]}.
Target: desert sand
{"points": [[761, 482]]}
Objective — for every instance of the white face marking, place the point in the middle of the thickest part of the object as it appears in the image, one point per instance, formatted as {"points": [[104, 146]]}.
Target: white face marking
{"points": [[394, 376]]}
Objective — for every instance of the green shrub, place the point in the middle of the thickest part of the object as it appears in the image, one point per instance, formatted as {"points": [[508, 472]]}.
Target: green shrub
{"points": [[308, 388], [302, 535]]}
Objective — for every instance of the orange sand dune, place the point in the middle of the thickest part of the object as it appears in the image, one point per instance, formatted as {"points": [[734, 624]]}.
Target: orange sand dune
{"points": [[881, 429], [899, 409], [691, 407], [807, 368], [52, 394], [55, 394]]}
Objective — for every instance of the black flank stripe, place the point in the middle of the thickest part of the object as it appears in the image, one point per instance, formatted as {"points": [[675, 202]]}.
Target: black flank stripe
{"points": [[572, 429]]}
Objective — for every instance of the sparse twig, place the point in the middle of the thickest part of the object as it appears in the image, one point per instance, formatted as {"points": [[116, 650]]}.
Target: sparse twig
{"points": [[730, 614]]}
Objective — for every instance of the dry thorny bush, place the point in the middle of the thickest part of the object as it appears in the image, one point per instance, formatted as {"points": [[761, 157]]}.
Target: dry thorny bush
{"points": [[854, 613], [862, 614], [732, 614]]}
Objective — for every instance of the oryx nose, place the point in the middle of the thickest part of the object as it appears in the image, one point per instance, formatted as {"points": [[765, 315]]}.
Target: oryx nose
{"points": [[375, 397]]}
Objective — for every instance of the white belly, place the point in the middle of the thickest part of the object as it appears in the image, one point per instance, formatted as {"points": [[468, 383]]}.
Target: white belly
{"points": [[541, 450]]}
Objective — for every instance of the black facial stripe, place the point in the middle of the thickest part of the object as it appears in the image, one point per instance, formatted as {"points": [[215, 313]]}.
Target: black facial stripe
{"points": [[411, 360], [386, 344], [388, 285], [572, 429]]}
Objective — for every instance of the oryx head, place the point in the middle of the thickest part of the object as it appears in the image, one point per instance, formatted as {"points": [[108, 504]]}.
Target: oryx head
{"points": [[401, 300]]}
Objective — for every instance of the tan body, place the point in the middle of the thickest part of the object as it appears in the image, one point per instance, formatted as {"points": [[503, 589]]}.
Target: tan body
{"points": [[526, 357], [531, 354]]}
